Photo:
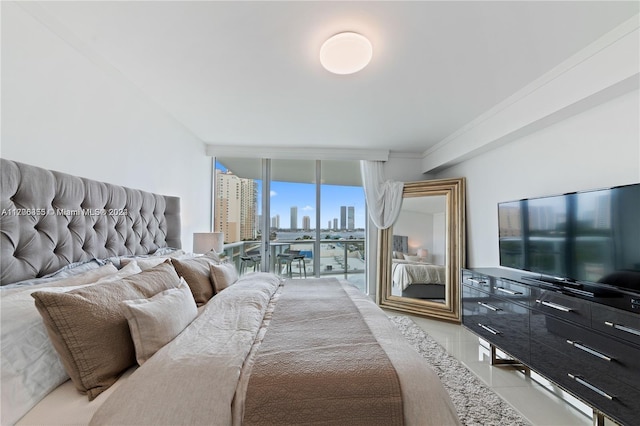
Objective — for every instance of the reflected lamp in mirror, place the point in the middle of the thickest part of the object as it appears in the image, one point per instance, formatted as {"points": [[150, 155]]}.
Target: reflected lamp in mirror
{"points": [[204, 242], [423, 253]]}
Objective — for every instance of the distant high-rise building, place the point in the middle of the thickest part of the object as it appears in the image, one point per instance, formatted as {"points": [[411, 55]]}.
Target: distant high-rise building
{"points": [[351, 213], [235, 207], [248, 203], [510, 225], [329, 225], [294, 218], [306, 223], [343, 217], [227, 206], [335, 223], [275, 222], [602, 212]]}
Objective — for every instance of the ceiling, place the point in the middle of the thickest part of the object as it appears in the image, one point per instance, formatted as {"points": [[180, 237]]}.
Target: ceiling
{"points": [[248, 73]]}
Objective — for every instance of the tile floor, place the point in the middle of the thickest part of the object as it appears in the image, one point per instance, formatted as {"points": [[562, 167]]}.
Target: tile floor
{"points": [[541, 404]]}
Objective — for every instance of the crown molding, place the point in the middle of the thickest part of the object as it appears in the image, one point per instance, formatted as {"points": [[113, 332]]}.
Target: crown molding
{"points": [[295, 153]]}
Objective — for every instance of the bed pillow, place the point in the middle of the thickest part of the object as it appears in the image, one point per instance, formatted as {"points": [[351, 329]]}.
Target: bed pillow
{"points": [[156, 321], [215, 257], [168, 251], [398, 255], [67, 279], [88, 328], [415, 258], [223, 275], [149, 261], [197, 275], [31, 367], [143, 262]]}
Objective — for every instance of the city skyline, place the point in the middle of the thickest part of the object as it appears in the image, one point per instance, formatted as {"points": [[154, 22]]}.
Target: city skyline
{"points": [[346, 223], [286, 195]]}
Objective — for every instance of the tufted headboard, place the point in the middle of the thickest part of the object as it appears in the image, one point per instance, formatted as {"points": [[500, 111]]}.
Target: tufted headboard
{"points": [[401, 244], [50, 219]]}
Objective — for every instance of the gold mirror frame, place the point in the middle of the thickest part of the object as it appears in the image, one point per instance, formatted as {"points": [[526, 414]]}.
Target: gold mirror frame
{"points": [[454, 191]]}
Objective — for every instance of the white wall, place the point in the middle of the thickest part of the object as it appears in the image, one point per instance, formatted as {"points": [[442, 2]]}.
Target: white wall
{"points": [[67, 111], [404, 168], [418, 227], [439, 253], [597, 148]]}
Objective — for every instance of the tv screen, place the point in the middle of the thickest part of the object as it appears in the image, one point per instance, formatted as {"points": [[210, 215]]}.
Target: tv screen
{"points": [[583, 237]]}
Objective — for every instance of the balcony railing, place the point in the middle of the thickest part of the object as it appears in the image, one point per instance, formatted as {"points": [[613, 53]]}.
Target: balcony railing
{"points": [[343, 258]]}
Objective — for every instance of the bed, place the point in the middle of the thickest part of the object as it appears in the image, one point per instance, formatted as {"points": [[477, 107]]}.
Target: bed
{"points": [[419, 279], [413, 276], [105, 320]]}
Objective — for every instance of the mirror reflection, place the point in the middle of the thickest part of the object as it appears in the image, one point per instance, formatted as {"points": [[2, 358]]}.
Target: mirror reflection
{"points": [[418, 267]]}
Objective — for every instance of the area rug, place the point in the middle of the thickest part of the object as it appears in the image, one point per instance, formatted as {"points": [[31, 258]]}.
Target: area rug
{"points": [[476, 403]]}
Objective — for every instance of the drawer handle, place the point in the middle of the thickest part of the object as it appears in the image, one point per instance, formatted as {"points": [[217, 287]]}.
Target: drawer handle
{"points": [[623, 328], [493, 308], [589, 350], [479, 282], [504, 290], [554, 306], [489, 329], [590, 386]]}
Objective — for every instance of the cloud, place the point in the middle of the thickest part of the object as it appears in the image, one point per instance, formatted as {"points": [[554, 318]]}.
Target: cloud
{"points": [[273, 193], [307, 208]]}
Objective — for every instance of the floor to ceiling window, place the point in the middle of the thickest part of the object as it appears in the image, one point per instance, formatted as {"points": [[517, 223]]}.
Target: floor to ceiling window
{"points": [[293, 217]]}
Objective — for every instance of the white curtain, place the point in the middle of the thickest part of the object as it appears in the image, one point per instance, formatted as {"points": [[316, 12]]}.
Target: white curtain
{"points": [[384, 197]]}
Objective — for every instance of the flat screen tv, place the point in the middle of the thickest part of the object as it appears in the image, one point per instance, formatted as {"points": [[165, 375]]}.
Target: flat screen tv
{"points": [[587, 238]]}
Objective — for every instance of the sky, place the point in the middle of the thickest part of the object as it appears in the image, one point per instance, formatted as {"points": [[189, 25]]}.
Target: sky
{"points": [[285, 195]]}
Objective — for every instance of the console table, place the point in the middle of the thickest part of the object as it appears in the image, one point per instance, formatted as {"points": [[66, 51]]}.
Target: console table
{"points": [[588, 345]]}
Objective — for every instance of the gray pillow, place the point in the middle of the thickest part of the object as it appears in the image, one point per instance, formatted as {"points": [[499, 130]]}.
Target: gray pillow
{"points": [[89, 330], [196, 273], [223, 275]]}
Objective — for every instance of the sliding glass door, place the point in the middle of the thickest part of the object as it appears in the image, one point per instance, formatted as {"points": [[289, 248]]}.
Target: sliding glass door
{"points": [[293, 207], [297, 218]]}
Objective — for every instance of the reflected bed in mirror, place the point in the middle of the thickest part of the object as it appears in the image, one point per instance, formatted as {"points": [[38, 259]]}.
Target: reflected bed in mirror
{"points": [[421, 255]]}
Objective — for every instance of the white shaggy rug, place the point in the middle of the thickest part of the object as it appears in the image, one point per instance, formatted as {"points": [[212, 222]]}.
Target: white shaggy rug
{"points": [[476, 404]]}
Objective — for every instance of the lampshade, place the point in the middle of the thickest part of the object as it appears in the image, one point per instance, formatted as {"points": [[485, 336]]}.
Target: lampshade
{"points": [[346, 53], [207, 241], [422, 252]]}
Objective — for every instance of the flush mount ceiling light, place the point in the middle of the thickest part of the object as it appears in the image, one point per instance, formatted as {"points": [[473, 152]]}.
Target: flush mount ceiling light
{"points": [[346, 53]]}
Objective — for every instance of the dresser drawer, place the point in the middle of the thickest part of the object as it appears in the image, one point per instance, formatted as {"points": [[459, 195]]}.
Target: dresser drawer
{"points": [[473, 279], [501, 322], [511, 290], [588, 350], [604, 391], [561, 306], [615, 322]]}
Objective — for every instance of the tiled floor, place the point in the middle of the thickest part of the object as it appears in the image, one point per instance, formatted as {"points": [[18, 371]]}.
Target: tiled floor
{"points": [[539, 405]]}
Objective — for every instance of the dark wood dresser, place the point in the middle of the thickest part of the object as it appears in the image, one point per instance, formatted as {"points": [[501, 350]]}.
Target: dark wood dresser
{"points": [[588, 344]]}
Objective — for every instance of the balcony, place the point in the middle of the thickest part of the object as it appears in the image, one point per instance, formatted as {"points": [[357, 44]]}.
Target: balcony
{"points": [[340, 258]]}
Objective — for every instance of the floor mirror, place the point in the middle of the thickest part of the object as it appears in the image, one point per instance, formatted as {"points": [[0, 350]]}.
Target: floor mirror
{"points": [[420, 256]]}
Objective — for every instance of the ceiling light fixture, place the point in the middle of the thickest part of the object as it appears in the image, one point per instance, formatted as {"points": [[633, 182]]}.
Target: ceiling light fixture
{"points": [[346, 53]]}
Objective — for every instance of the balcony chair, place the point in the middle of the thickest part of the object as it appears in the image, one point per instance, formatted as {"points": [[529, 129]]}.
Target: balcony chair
{"points": [[288, 258], [249, 261]]}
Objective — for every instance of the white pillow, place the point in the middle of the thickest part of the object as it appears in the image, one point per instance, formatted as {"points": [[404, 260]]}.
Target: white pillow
{"points": [[149, 262], [31, 367], [398, 255], [415, 258], [156, 321], [83, 278]]}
